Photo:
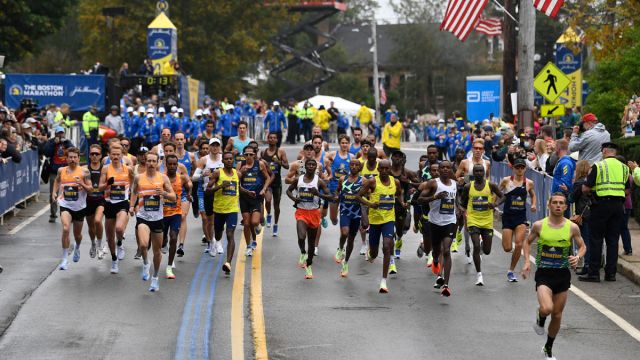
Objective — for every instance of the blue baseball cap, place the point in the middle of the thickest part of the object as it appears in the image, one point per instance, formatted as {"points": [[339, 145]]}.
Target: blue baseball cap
{"points": [[58, 129]]}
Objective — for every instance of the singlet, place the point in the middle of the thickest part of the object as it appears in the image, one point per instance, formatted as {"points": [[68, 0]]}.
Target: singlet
{"points": [[253, 179], [443, 211], [72, 196], [302, 170], [211, 165], [308, 201], [186, 161], [160, 152], [150, 203], [225, 200], [239, 145], [515, 198], [349, 204], [171, 208], [354, 150], [339, 167], [368, 174], [119, 190], [479, 213], [274, 166], [385, 196], [554, 246], [95, 195]]}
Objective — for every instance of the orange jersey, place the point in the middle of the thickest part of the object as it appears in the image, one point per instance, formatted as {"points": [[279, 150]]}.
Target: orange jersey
{"points": [[174, 207], [119, 190]]}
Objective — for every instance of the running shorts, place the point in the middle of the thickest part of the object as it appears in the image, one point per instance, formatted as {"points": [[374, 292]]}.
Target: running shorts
{"points": [[92, 206], [250, 204], [375, 230], [513, 221], [172, 223], [75, 215], [111, 210], [485, 233], [439, 233], [208, 204], [353, 223], [309, 217], [222, 219], [154, 226], [558, 280]]}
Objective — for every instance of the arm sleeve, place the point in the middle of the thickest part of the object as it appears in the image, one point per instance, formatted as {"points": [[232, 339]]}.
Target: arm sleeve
{"points": [[576, 143], [593, 175]]}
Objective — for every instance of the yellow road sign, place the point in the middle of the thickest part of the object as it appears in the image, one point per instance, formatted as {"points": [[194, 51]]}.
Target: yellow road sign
{"points": [[551, 82], [550, 110]]}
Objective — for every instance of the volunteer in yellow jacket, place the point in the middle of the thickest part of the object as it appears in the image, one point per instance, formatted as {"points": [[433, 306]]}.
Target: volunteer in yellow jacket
{"points": [[321, 119], [556, 252], [479, 198], [391, 135], [383, 192]]}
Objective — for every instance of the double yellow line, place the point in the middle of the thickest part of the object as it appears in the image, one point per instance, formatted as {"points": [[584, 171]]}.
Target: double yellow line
{"points": [[255, 300]]}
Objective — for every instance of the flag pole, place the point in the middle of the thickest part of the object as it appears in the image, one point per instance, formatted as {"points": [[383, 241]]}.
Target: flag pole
{"points": [[505, 11]]}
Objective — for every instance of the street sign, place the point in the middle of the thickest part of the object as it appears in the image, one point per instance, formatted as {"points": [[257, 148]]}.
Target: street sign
{"points": [[551, 82], [549, 110]]}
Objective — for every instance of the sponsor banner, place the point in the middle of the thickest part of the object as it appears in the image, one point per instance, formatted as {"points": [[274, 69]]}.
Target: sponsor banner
{"points": [[79, 91], [19, 181], [484, 96], [571, 64]]}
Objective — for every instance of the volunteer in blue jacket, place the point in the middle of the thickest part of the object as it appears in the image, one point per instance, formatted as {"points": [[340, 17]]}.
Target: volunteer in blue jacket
{"points": [[224, 127], [275, 121], [563, 172], [441, 140]]}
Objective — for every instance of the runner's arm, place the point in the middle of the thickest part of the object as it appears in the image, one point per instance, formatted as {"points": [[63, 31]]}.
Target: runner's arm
{"points": [[291, 175], [464, 198], [400, 193], [211, 186], [534, 197], [366, 188], [284, 162], [289, 191], [229, 146], [134, 196], [499, 195], [428, 193], [268, 178], [168, 192], [86, 180], [533, 235], [102, 183]]}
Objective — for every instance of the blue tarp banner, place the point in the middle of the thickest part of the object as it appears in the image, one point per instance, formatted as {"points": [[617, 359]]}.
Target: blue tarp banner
{"points": [[79, 91], [484, 96], [19, 181]]}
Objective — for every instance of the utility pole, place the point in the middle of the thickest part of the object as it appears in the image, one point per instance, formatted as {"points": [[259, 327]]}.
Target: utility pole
{"points": [[376, 80], [526, 51], [509, 56]]}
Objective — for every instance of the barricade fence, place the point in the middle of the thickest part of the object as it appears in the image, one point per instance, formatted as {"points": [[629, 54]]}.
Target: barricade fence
{"points": [[18, 182], [541, 187]]}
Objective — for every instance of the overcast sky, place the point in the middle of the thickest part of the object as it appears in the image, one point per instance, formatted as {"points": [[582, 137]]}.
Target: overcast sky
{"points": [[385, 12]]}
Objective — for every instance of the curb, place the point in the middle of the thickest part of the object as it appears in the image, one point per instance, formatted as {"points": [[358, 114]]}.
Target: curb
{"points": [[630, 271]]}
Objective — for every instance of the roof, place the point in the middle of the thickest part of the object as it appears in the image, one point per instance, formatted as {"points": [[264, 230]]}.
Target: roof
{"points": [[161, 22]]}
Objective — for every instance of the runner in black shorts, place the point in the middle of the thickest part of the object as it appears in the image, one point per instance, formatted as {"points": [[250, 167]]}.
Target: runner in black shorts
{"points": [[277, 160], [425, 246], [403, 215]]}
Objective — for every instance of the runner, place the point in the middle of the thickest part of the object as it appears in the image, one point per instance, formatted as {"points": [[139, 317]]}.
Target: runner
{"points": [[357, 141], [152, 188], [478, 200], [307, 203], [206, 136], [254, 180], [165, 137], [338, 161], [72, 183], [425, 246], [225, 183], [403, 216], [172, 210], [125, 160], [95, 202], [384, 191], [557, 240], [514, 215], [277, 160], [369, 170], [116, 179], [324, 146], [236, 144], [187, 159], [371, 138], [350, 213], [298, 168], [204, 169], [424, 172], [440, 194]]}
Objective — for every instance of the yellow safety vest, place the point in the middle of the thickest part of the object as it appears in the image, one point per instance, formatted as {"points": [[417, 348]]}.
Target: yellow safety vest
{"points": [[611, 178], [90, 122]]}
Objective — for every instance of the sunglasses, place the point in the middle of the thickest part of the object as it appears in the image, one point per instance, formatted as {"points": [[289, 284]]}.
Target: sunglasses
{"points": [[478, 148], [95, 154], [124, 145], [250, 154]]}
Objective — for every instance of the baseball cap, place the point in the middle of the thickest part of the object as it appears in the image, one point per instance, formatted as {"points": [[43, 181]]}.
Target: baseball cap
{"points": [[231, 107], [26, 126], [215, 141], [143, 149], [174, 108], [161, 109], [198, 112], [31, 120], [590, 117], [276, 103], [441, 121], [114, 107], [149, 116], [610, 145], [141, 109], [519, 162], [58, 129], [206, 112], [180, 110], [130, 109]]}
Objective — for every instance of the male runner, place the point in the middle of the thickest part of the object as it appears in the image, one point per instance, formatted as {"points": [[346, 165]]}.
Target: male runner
{"points": [[298, 168], [514, 215], [152, 188], [70, 192], [368, 170], [206, 136], [125, 160], [425, 246], [165, 137], [338, 161], [187, 159], [204, 169], [307, 203], [350, 213], [95, 202], [172, 210], [479, 198], [277, 159], [115, 179], [403, 216], [236, 144], [372, 140], [440, 194], [384, 191], [557, 238], [255, 179], [324, 146], [357, 141]]}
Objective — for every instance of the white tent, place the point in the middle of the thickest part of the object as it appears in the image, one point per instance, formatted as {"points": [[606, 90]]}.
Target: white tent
{"points": [[344, 106]]}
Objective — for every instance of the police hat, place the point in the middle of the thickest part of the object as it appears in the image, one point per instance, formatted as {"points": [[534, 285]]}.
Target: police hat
{"points": [[609, 145]]}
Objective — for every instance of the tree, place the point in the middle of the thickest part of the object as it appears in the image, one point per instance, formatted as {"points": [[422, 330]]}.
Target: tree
{"points": [[23, 22], [358, 10]]}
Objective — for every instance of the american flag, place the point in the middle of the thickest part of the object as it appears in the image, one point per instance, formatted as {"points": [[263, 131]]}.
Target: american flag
{"points": [[462, 16], [383, 94], [549, 7], [489, 26]]}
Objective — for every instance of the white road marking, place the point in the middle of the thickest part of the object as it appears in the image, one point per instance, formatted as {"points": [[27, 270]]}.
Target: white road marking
{"points": [[29, 220], [619, 321]]}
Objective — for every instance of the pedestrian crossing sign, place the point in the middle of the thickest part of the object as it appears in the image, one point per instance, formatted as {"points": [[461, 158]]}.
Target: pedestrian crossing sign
{"points": [[551, 82], [550, 110]]}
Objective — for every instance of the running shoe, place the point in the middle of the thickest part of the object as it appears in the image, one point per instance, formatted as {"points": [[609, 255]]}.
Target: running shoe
{"points": [[308, 273], [339, 256], [258, 229], [435, 268], [219, 247], [316, 251], [64, 264], [398, 243], [302, 260], [164, 249], [92, 251], [454, 246], [537, 326], [207, 249], [459, 237], [369, 258], [429, 260], [467, 254], [100, 253], [512, 277], [145, 271], [120, 252], [254, 244], [345, 269], [324, 222], [446, 292], [138, 255], [180, 250], [173, 266], [439, 282], [420, 251], [392, 269], [204, 240], [114, 266], [269, 220], [226, 268], [249, 252], [547, 353], [383, 286], [154, 284], [76, 254], [169, 271], [479, 279], [363, 249], [275, 230]]}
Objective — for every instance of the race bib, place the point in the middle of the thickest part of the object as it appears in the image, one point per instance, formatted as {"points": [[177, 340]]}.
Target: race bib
{"points": [[480, 203], [275, 169], [70, 193], [447, 206], [151, 203], [349, 199], [386, 202], [117, 192], [517, 203], [305, 195], [553, 257], [231, 189]]}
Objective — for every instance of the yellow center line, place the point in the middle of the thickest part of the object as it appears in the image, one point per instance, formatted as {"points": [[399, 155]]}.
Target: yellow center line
{"points": [[237, 303], [257, 310]]}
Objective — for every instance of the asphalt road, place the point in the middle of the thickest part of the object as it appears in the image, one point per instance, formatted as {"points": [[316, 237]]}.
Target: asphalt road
{"points": [[266, 309]]}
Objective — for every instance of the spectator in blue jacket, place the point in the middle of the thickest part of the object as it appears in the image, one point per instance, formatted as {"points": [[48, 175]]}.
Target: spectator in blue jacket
{"points": [[441, 140], [564, 170], [224, 126], [151, 132], [275, 122], [343, 124]]}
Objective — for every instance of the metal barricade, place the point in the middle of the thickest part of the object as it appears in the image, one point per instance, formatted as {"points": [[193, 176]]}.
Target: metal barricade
{"points": [[258, 124]]}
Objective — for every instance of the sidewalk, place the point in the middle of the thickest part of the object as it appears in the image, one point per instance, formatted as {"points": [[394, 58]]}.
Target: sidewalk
{"points": [[629, 266]]}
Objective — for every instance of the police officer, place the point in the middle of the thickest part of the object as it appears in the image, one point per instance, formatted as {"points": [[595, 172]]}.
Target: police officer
{"points": [[91, 125], [608, 182]]}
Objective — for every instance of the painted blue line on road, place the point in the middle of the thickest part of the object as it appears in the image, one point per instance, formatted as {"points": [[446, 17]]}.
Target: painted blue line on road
{"points": [[210, 304], [186, 312], [195, 327]]}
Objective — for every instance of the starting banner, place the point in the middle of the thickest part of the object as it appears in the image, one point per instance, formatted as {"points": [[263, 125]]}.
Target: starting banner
{"points": [[19, 181], [484, 97], [79, 91]]}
